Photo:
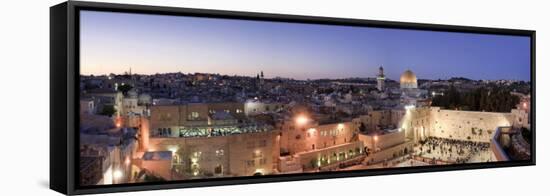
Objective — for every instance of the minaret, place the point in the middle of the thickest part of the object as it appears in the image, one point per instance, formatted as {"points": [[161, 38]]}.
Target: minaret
{"points": [[131, 77], [380, 78], [261, 78]]}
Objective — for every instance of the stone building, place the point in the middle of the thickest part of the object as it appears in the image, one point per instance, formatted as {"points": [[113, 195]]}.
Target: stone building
{"points": [[197, 119], [244, 154]]}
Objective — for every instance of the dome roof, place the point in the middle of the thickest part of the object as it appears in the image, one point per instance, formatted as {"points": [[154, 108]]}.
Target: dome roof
{"points": [[408, 80], [132, 93], [144, 96], [145, 99]]}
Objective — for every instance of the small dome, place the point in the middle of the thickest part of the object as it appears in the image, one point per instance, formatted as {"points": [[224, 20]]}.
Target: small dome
{"points": [[145, 99], [408, 80], [132, 93]]}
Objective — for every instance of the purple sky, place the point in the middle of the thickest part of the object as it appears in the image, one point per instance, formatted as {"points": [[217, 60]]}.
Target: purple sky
{"points": [[114, 42]]}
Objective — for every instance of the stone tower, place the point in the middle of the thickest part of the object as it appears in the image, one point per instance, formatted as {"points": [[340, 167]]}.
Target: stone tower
{"points": [[380, 79]]}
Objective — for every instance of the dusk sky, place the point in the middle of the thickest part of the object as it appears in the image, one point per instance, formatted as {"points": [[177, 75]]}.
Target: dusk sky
{"points": [[114, 42]]}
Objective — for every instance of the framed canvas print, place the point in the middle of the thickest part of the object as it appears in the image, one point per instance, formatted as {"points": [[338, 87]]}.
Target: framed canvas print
{"points": [[146, 97]]}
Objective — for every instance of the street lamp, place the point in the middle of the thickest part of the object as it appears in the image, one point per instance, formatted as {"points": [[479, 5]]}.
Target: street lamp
{"points": [[117, 175], [118, 122], [301, 120]]}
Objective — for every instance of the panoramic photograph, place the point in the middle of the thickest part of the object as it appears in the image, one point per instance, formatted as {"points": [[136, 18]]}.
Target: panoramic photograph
{"points": [[176, 98]]}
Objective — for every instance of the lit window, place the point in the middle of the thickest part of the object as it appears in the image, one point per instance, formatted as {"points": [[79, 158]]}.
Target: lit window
{"points": [[219, 152], [257, 154], [194, 115]]}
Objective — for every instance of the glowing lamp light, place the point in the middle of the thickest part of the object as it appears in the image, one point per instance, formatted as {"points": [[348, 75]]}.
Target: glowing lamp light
{"points": [[118, 122], [301, 120], [117, 174], [409, 107], [260, 171], [311, 130], [524, 104], [127, 161], [340, 126], [174, 149], [376, 138]]}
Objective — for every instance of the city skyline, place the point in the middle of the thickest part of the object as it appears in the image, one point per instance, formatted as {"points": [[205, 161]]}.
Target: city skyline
{"points": [[152, 44], [170, 127]]}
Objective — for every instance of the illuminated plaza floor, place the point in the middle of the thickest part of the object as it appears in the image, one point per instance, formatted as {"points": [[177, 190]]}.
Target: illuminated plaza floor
{"points": [[469, 155]]}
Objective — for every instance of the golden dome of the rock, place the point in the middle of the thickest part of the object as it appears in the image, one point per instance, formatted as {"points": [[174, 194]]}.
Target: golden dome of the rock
{"points": [[408, 80]]}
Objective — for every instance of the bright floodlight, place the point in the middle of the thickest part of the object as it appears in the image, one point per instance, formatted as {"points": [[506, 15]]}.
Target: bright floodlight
{"points": [[117, 174], [174, 149], [118, 122], [409, 107], [301, 120]]}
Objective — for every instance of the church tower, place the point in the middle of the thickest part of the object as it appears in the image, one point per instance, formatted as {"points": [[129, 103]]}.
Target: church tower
{"points": [[380, 79]]}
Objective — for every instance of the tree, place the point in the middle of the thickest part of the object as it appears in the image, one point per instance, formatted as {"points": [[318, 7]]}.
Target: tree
{"points": [[491, 99], [108, 110], [125, 88], [362, 128]]}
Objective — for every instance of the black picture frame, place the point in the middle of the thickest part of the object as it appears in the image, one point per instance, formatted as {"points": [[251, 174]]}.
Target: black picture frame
{"points": [[64, 77]]}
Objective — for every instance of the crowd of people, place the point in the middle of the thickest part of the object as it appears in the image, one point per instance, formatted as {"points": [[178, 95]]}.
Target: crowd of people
{"points": [[453, 150]]}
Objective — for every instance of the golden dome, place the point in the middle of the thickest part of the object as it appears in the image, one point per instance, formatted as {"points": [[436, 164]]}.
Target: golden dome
{"points": [[408, 80]]}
